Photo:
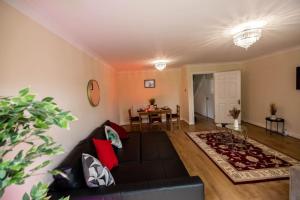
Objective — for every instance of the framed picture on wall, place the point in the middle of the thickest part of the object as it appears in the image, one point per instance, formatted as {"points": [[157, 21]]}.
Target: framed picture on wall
{"points": [[149, 83]]}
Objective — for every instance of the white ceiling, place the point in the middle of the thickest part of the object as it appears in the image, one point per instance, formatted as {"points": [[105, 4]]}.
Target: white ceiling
{"points": [[128, 35]]}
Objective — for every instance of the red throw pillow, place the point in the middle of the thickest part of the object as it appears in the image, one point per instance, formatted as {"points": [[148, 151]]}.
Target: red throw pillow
{"points": [[120, 130], [105, 153]]}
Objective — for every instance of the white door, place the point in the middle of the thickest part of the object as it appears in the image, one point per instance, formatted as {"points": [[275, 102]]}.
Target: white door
{"points": [[227, 95]]}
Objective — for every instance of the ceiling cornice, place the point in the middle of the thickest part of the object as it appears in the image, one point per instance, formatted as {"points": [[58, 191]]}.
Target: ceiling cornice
{"points": [[287, 50], [282, 51], [212, 64], [150, 70]]}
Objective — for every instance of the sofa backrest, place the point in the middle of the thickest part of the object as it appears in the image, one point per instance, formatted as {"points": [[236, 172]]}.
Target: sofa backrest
{"points": [[72, 164]]}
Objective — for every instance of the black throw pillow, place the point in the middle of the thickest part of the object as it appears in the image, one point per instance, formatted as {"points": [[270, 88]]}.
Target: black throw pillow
{"points": [[72, 179]]}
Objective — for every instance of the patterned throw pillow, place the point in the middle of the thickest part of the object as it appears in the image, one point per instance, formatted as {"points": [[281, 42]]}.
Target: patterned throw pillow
{"points": [[95, 174], [113, 136]]}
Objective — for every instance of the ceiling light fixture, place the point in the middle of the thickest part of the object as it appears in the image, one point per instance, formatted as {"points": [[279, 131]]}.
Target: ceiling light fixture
{"points": [[160, 64], [248, 33]]}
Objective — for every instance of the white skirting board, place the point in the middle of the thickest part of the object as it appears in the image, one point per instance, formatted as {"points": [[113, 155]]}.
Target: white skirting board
{"points": [[262, 125]]}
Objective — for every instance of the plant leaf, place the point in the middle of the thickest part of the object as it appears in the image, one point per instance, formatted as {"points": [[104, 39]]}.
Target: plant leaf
{"points": [[24, 91], [26, 197], [2, 174], [58, 172], [44, 164], [39, 191], [47, 99], [26, 120], [1, 192]]}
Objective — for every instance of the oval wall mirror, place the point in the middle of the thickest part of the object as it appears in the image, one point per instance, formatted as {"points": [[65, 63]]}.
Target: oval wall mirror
{"points": [[93, 92]]}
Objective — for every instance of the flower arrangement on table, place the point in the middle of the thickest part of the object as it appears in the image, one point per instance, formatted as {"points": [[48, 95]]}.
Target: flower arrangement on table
{"points": [[273, 110], [235, 113], [152, 106]]}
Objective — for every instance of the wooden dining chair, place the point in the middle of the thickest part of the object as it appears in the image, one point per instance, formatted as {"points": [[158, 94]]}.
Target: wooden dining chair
{"points": [[155, 119], [134, 120], [175, 117]]}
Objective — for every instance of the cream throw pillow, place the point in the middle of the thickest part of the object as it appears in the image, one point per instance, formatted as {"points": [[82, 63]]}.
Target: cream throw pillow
{"points": [[113, 136]]}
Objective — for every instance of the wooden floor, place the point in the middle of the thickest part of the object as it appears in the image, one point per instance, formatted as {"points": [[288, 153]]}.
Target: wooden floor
{"points": [[217, 185]]}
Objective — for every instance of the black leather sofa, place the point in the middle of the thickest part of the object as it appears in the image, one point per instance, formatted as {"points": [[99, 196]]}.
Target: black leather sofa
{"points": [[149, 168]]}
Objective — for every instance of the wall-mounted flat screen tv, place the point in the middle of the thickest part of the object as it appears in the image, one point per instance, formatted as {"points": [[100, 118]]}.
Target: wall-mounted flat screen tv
{"points": [[298, 78]]}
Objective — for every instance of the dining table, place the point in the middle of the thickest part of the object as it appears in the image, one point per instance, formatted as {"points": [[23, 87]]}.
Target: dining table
{"points": [[159, 111]]}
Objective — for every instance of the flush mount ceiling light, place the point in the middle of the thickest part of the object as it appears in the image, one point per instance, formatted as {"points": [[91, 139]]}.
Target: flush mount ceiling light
{"points": [[160, 64], [247, 34]]}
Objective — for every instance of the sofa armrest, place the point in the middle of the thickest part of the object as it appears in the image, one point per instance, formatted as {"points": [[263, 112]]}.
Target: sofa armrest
{"points": [[294, 182], [188, 188]]}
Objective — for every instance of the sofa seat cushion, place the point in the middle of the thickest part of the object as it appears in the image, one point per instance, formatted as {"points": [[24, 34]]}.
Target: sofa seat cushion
{"points": [[148, 171], [138, 172], [163, 169], [174, 168], [157, 146], [131, 149], [128, 173]]}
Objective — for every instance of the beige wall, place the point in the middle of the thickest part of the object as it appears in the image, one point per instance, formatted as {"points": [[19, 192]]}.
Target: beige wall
{"points": [[132, 93], [32, 56], [265, 80], [184, 99], [272, 79]]}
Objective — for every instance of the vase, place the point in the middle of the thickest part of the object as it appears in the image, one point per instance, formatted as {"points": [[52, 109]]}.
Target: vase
{"points": [[151, 107], [236, 123]]}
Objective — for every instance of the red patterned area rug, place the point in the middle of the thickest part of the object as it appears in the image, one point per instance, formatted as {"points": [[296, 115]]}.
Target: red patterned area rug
{"points": [[243, 161]]}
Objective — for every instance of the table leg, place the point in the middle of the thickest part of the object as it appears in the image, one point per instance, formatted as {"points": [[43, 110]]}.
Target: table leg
{"points": [[277, 127], [266, 126], [141, 123], [170, 120]]}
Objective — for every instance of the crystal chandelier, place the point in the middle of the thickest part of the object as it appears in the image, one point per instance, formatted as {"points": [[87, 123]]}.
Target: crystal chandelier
{"points": [[160, 64], [247, 34], [247, 37]]}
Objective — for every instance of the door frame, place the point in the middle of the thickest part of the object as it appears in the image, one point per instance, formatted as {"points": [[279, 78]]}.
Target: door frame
{"points": [[191, 98]]}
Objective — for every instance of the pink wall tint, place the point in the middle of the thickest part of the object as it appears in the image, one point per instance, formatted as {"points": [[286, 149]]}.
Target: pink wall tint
{"points": [[132, 93], [31, 56]]}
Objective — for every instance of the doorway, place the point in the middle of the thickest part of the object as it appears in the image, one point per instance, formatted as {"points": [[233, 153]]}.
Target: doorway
{"points": [[227, 95], [203, 94]]}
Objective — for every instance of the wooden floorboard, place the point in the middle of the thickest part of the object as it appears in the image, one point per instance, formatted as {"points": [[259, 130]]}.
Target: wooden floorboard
{"points": [[217, 185]]}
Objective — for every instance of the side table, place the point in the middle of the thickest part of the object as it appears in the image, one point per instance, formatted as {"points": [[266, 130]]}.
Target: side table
{"points": [[277, 121]]}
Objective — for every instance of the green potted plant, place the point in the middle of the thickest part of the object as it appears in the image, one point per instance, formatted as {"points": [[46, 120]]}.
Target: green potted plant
{"points": [[152, 101], [273, 111], [24, 122], [152, 104], [235, 115]]}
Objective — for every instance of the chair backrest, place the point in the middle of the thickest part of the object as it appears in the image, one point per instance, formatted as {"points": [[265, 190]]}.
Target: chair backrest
{"points": [[178, 110], [155, 117], [129, 113]]}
